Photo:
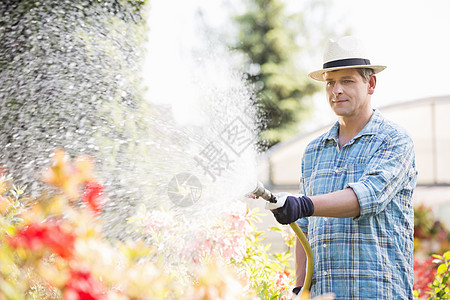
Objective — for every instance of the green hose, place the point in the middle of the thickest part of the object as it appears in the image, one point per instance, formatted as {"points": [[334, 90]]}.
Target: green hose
{"points": [[309, 255], [261, 191]]}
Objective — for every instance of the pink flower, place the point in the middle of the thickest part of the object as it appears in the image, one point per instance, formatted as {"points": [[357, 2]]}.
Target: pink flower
{"points": [[238, 221], [287, 235], [226, 239], [159, 220], [282, 280], [233, 246]]}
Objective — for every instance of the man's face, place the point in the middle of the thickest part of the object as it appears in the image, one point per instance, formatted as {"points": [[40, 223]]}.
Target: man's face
{"points": [[347, 93]]}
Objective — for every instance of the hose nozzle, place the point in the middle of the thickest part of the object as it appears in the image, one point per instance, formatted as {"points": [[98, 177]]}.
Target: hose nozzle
{"points": [[261, 191]]}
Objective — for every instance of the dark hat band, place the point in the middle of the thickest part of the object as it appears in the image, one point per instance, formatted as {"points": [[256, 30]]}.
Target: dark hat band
{"points": [[346, 63]]}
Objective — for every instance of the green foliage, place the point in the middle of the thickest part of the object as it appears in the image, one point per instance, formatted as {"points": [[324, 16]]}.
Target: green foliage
{"points": [[440, 286], [441, 283], [268, 37], [46, 243], [269, 274], [53, 248], [12, 202]]}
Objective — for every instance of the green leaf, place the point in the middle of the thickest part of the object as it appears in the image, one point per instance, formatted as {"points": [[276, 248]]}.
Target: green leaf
{"points": [[442, 268], [447, 255]]}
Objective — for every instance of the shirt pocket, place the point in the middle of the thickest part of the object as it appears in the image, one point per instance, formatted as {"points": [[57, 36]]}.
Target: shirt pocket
{"points": [[355, 172]]}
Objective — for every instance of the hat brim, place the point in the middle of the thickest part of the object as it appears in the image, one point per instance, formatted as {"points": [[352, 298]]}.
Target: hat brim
{"points": [[318, 75]]}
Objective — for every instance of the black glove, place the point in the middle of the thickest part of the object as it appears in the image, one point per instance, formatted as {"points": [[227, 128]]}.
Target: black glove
{"points": [[297, 290], [293, 209]]}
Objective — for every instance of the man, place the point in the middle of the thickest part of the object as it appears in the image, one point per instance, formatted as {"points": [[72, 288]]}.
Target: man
{"points": [[357, 180]]}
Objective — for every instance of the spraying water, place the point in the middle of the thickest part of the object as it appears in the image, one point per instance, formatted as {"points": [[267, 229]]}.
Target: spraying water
{"points": [[211, 108], [72, 78]]}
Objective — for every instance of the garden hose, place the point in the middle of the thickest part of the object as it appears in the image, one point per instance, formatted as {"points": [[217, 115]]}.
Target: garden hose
{"points": [[309, 255], [261, 191]]}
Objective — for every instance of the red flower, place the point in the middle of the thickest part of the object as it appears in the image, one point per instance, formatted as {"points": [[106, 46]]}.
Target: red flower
{"points": [[424, 271], [92, 196], [38, 236], [83, 286]]}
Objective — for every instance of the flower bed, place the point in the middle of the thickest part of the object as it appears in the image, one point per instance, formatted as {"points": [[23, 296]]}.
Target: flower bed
{"points": [[52, 247]]}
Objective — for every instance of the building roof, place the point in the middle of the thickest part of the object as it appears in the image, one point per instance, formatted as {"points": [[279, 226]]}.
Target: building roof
{"points": [[427, 120]]}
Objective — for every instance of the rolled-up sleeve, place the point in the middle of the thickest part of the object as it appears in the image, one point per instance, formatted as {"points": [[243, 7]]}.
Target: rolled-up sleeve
{"points": [[389, 169]]}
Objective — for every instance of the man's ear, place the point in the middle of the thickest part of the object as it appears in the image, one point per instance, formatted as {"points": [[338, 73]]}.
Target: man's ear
{"points": [[372, 84]]}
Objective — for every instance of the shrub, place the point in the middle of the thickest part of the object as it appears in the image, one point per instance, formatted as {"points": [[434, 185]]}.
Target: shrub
{"points": [[439, 288], [52, 247]]}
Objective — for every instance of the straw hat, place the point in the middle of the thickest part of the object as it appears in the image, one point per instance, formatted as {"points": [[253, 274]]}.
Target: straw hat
{"points": [[348, 52]]}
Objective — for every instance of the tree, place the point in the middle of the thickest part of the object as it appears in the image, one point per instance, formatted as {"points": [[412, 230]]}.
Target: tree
{"points": [[268, 37]]}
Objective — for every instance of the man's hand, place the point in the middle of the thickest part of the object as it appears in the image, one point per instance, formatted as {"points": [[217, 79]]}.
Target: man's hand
{"points": [[281, 199], [290, 208]]}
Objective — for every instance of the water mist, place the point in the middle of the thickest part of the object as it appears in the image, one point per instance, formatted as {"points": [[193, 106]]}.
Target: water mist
{"points": [[174, 141]]}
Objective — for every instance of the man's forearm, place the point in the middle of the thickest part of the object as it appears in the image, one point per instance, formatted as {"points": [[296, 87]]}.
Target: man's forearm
{"points": [[339, 204], [300, 263]]}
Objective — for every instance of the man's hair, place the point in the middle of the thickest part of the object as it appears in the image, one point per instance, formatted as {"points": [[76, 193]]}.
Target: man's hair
{"points": [[365, 73]]}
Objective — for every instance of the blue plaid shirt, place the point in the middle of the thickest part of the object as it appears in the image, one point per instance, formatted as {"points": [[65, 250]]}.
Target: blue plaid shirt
{"points": [[371, 256]]}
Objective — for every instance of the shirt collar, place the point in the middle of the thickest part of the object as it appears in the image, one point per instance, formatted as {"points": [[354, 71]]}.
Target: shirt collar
{"points": [[370, 128]]}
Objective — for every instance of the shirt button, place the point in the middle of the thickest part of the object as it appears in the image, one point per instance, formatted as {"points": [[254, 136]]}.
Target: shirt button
{"points": [[324, 245], [325, 273], [325, 219]]}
